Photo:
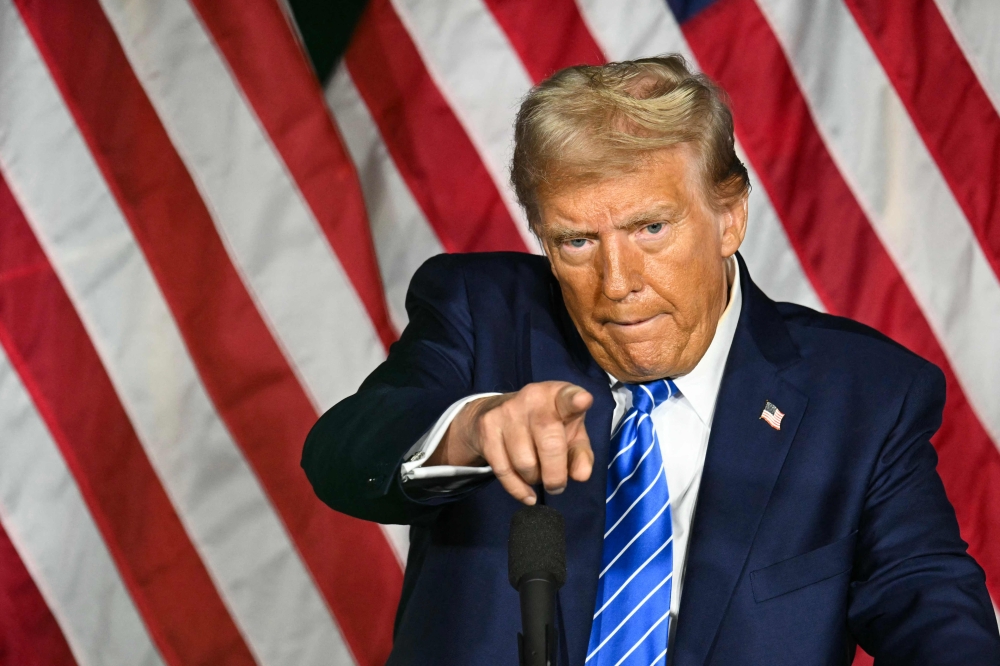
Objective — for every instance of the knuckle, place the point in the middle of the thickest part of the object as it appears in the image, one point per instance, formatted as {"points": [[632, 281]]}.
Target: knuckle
{"points": [[551, 443], [527, 399], [552, 455], [494, 455], [490, 417], [528, 472], [507, 412], [490, 428], [501, 467], [538, 394], [524, 466]]}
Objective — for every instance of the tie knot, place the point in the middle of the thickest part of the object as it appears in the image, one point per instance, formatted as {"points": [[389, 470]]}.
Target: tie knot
{"points": [[646, 397]]}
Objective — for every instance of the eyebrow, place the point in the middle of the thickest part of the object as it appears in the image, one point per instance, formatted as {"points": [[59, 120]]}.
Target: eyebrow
{"points": [[559, 234]]}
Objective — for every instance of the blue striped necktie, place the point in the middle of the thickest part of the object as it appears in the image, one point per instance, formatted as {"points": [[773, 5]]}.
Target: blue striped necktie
{"points": [[632, 614]]}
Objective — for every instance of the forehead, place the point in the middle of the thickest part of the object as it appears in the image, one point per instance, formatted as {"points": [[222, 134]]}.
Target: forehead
{"points": [[663, 182]]}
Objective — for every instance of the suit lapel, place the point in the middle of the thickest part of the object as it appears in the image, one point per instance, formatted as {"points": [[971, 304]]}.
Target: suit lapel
{"points": [[744, 458], [558, 354]]}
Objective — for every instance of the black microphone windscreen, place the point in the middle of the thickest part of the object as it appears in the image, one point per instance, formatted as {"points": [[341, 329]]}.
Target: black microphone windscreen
{"points": [[537, 544]]}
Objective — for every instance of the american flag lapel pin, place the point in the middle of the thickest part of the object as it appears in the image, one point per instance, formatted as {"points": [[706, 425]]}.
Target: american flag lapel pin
{"points": [[772, 415]]}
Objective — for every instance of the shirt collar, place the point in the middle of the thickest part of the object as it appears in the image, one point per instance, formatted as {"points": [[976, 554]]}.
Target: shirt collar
{"points": [[701, 385]]}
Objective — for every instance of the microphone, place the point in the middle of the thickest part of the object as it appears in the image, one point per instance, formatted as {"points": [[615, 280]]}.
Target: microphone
{"points": [[536, 567]]}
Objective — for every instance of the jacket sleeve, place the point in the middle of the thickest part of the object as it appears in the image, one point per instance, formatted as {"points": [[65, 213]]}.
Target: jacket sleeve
{"points": [[353, 454], [917, 596]]}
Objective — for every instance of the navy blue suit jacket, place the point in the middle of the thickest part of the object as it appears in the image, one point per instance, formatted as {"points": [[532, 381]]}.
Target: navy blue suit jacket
{"points": [[832, 531]]}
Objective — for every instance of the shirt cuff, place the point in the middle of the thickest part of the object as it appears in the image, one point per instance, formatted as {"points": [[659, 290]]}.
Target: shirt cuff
{"points": [[413, 468]]}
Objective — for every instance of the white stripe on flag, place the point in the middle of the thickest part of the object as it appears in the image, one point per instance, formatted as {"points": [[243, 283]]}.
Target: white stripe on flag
{"points": [[403, 237], [976, 27], [270, 233], [885, 162], [636, 29], [45, 516], [772, 262], [460, 43], [91, 247]]}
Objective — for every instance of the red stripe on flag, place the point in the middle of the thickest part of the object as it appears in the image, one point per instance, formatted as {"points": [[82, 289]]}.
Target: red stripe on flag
{"points": [[53, 355], [547, 35], [862, 658], [249, 380], [428, 144], [277, 79], [839, 251], [29, 634], [949, 107]]}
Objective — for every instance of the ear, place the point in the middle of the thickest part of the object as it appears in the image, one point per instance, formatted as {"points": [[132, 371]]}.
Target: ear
{"points": [[734, 226]]}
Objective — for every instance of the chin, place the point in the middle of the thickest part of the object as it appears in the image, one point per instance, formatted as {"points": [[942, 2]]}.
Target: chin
{"points": [[646, 361], [634, 360]]}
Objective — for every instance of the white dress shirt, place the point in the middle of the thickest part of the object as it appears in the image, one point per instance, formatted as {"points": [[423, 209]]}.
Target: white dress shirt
{"points": [[683, 424]]}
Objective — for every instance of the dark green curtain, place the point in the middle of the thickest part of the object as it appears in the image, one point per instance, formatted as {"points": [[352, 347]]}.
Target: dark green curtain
{"points": [[326, 27]]}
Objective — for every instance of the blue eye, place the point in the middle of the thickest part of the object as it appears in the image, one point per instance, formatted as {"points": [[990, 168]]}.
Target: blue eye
{"points": [[577, 242], [654, 228]]}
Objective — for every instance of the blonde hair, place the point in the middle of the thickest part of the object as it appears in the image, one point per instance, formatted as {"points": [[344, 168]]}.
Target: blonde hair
{"points": [[586, 123]]}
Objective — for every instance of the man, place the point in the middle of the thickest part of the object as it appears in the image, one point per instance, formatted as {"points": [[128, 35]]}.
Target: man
{"points": [[743, 481]]}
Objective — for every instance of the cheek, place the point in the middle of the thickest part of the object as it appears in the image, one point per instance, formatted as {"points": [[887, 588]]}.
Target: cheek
{"points": [[577, 278], [680, 273], [580, 288], [667, 274]]}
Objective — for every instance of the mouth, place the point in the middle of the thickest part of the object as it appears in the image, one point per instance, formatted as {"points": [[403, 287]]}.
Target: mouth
{"points": [[632, 323]]}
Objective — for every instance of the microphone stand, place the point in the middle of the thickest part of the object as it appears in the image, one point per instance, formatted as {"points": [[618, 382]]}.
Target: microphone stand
{"points": [[536, 567], [536, 646]]}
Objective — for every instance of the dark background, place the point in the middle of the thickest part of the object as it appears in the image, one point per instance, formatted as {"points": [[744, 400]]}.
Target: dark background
{"points": [[326, 27]]}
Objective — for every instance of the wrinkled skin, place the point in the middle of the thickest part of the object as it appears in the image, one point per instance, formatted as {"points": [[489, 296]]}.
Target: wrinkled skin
{"points": [[642, 260]]}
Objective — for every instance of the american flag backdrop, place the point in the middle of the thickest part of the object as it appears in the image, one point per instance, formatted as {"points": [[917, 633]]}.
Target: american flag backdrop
{"points": [[202, 248]]}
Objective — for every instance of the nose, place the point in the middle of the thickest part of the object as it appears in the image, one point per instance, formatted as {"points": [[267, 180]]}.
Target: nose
{"points": [[623, 265]]}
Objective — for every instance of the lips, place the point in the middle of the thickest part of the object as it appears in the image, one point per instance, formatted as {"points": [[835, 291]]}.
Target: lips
{"points": [[633, 322]]}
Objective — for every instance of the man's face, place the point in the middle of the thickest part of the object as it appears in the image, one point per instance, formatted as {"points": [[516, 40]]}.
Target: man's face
{"points": [[641, 259]]}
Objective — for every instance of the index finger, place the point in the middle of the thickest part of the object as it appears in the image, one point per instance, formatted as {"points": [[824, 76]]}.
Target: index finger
{"points": [[572, 401]]}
